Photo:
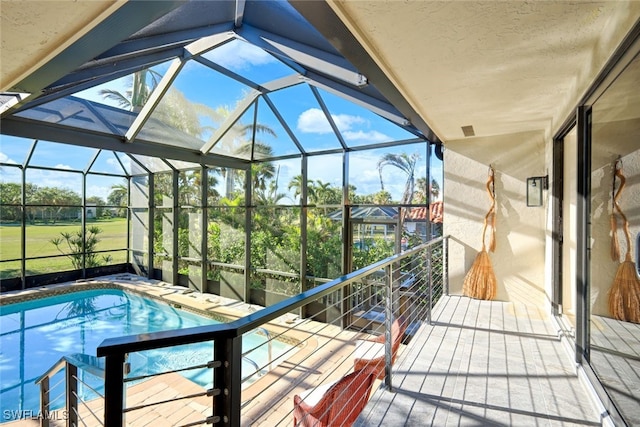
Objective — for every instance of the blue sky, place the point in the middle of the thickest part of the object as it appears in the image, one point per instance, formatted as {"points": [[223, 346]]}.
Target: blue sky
{"points": [[297, 105]]}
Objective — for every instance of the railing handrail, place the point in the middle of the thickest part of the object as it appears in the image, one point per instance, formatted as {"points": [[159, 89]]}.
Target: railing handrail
{"points": [[236, 328], [227, 339], [52, 370], [86, 362]]}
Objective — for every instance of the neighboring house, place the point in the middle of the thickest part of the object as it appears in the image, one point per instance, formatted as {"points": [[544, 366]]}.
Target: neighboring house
{"points": [[415, 222]]}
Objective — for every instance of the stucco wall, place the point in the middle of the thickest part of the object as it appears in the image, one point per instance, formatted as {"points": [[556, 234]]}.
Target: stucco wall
{"points": [[519, 259]]}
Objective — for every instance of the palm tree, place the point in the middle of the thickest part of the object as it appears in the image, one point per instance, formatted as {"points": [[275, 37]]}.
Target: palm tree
{"points": [[297, 183], [326, 194], [118, 197], [142, 85], [421, 190], [405, 163], [174, 109], [268, 196], [435, 189], [239, 140], [382, 198]]}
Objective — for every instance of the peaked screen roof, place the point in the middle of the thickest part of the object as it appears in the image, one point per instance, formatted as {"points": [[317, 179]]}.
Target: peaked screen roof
{"points": [[224, 82]]}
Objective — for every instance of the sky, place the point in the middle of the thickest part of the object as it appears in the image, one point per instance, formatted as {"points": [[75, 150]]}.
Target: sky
{"points": [[203, 86]]}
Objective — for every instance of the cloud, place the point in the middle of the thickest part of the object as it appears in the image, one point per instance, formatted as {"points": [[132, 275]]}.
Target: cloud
{"points": [[5, 159], [99, 191], [239, 56], [10, 174], [369, 137], [345, 122], [313, 121], [62, 167], [62, 180], [126, 161]]}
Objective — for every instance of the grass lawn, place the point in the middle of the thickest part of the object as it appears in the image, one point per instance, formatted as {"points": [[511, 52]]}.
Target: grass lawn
{"points": [[38, 241]]}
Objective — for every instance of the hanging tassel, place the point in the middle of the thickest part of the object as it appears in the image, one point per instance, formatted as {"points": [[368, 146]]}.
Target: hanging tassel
{"points": [[480, 281]]}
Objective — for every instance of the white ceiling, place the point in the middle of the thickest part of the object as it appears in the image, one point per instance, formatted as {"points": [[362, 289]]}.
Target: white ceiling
{"points": [[505, 68], [33, 32]]}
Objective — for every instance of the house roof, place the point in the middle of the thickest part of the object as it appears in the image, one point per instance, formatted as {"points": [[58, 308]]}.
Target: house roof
{"points": [[436, 211]]}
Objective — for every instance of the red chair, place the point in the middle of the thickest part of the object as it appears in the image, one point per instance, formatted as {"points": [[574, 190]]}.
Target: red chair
{"points": [[370, 353], [335, 404]]}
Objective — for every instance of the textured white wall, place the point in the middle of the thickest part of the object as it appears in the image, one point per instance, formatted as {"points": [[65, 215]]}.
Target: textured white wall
{"points": [[519, 259], [34, 32]]}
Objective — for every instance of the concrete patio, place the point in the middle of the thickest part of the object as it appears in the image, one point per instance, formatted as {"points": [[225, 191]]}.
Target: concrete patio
{"points": [[484, 363]]}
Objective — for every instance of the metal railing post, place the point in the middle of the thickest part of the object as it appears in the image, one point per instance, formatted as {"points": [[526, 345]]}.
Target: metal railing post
{"points": [[226, 393], [388, 322], [114, 390], [430, 279], [445, 266], [228, 379], [71, 373], [44, 401]]}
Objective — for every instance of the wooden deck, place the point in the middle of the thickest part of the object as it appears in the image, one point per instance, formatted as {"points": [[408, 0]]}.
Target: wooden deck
{"points": [[484, 363], [479, 363], [615, 356]]}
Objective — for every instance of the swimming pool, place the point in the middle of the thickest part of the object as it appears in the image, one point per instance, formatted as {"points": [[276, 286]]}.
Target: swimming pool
{"points": [[36, 334]]}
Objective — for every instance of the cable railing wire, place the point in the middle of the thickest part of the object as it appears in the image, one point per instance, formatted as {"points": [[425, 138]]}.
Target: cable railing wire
{"points": [[325, 327], [86, 406], [373, 303], [421, 276]]}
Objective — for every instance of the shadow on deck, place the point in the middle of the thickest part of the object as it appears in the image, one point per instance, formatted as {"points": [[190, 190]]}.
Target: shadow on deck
{"points": [[484, 363]]}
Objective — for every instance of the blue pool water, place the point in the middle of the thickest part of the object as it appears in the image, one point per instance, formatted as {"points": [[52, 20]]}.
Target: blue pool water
{"points": [[36, 334]]}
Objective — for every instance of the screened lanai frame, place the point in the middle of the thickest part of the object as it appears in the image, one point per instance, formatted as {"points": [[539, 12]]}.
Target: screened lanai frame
{"points": [[48, 206], [140, 212], [307, 64]]}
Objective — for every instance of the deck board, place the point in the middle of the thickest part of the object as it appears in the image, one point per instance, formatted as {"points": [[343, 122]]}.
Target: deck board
{"points": [[483, 363], [477, 363]]}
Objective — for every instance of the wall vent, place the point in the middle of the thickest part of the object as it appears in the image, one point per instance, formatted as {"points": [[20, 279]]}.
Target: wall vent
{"points": [[468, 131]]}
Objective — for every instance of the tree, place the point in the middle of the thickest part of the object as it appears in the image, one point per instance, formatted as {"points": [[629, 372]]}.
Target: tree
{"points": [[143, 83], [77, 250], [326, 194], [405, 163], [435, 189], [420, 194], [297, 183], [174, 109], [118, 196], [268, 196], [382, 198], [10, 200], [55, 203], [266, 184]]}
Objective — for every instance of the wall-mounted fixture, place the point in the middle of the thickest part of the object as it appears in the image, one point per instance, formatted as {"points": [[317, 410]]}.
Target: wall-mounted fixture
{"points": [[535, 185]]}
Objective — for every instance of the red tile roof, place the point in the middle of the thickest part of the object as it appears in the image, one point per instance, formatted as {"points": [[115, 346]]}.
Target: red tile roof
{"points": [[435, 213]]}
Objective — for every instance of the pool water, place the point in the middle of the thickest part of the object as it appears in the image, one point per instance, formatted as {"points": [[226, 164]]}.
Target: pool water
{"points": [[36, 334]]}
